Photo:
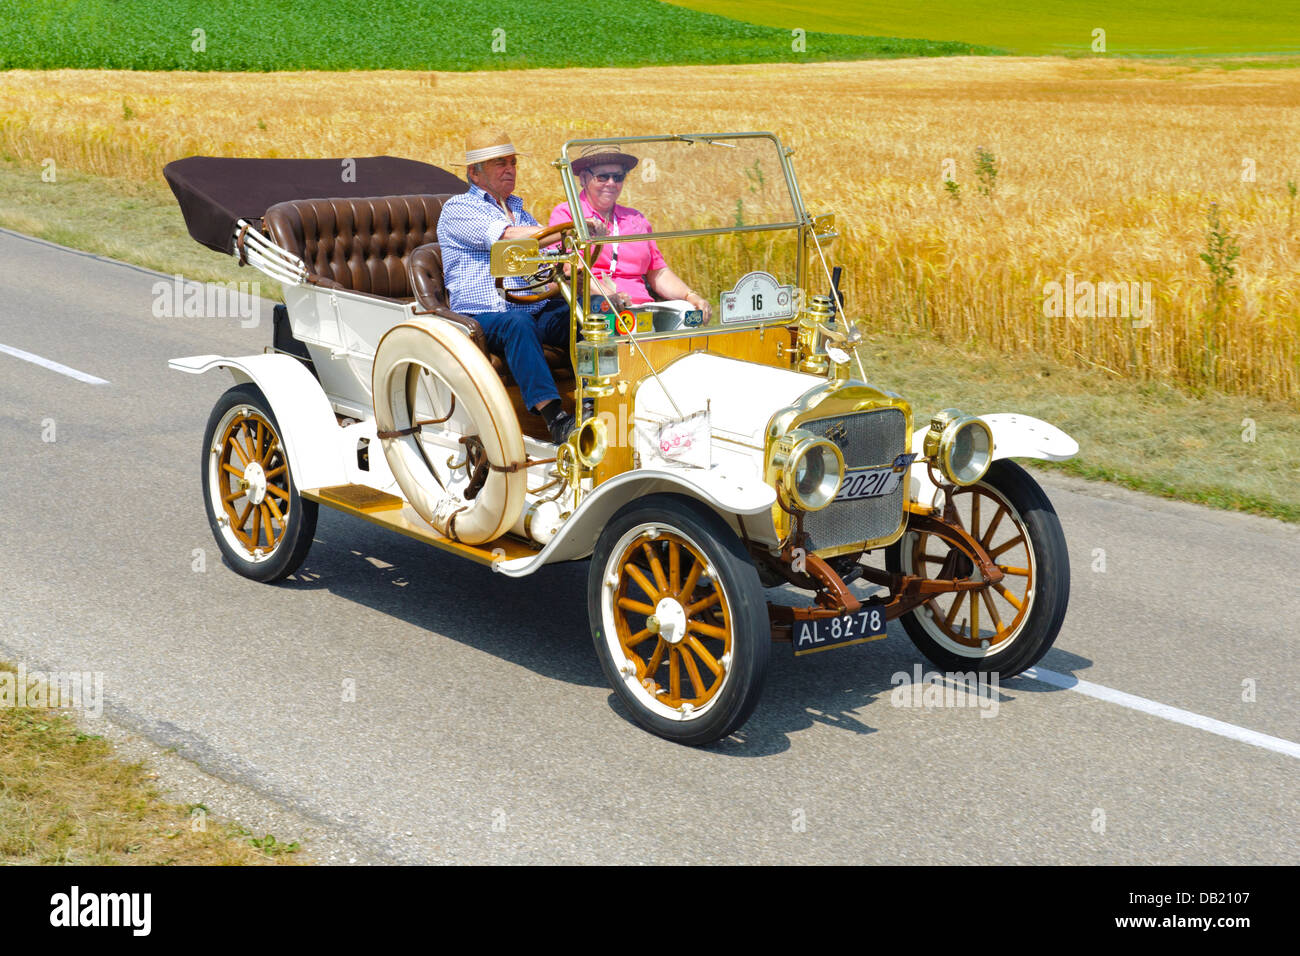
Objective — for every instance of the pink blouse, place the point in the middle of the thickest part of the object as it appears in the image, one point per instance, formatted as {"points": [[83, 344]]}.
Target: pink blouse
{"points": [[635, 259]]}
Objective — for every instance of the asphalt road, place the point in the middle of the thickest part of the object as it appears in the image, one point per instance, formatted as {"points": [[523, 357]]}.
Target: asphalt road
{"points": [[482, 729]]}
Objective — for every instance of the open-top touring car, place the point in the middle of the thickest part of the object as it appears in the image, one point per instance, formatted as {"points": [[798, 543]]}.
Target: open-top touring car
{"points": [[714, 456]]}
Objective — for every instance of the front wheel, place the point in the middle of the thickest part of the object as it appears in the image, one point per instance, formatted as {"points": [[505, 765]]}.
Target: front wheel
{"points": [[679, 619], [260, 522], [1007, 627]]}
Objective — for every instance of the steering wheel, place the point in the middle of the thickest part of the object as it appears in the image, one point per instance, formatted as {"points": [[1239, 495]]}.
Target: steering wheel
{"points": [[548, 273]]}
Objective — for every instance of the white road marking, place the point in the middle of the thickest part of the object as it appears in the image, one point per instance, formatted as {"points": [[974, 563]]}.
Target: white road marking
{"points": [[52, 366], [1276, 744]]}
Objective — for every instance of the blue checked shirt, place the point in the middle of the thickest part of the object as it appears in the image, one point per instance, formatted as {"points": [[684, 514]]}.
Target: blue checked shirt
{"points": [[468, 226]]}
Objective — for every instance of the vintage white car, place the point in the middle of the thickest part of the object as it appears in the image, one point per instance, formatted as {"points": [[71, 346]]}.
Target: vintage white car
{"points": [[715, 457]]}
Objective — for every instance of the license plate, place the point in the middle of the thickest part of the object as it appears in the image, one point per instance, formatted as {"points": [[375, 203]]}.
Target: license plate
{"points": [[874, 482], [857, 627]]}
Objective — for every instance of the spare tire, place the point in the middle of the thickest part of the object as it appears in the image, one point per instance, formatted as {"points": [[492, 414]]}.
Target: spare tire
{"points": [[425, 369]]}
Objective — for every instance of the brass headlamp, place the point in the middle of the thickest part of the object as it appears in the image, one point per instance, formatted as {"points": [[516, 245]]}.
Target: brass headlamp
{"points": [[810, 469], [960, 446]]}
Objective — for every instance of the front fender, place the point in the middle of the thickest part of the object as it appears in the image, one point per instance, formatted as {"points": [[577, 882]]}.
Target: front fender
{"points": [[729, 494], [308, 426], [1014, 436]]}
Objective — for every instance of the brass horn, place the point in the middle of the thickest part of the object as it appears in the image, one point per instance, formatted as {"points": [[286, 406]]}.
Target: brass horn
{"points": [[589, 442]]}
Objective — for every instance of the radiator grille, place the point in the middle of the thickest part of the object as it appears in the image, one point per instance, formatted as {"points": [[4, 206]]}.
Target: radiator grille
{"points": [[867, 439]]}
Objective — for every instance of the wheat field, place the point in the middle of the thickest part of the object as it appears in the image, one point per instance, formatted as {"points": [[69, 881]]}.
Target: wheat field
{"points": [[1105, 171]]}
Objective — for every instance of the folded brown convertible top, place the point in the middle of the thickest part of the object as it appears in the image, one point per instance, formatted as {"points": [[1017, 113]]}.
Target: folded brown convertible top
{"points": [[215, 192]]}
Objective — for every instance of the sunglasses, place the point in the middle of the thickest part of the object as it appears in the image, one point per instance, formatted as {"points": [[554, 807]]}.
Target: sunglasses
{"points": [[609, 177]]}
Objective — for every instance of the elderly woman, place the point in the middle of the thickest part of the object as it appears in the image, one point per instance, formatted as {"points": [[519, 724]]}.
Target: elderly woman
{"points": [[636, 268]]}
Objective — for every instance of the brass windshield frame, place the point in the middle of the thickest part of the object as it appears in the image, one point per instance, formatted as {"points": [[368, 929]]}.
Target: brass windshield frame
{"points": [[801, 224]]}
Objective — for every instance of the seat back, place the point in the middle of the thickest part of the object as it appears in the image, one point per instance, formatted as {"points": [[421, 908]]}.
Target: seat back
{"points": [[430, 291], [360, 244], [424, 267]]}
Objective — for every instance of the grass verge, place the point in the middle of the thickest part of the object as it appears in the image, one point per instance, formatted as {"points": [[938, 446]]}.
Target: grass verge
{"points": [[134, 222], [1224, 451], [65, 798], [1227, 451]]}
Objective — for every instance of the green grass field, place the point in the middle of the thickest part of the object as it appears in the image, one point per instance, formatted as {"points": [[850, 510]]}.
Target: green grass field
{"points": [[1133, 27], [404, 35]]}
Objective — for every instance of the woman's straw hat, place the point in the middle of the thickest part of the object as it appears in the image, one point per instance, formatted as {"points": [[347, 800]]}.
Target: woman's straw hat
{"points": [[596, 154]]}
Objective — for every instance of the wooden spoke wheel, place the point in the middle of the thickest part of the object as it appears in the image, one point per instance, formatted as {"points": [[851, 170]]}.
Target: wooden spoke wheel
{"points": [[671, 618], [678, 618], [1007, 626], [260, 523], [254, 480], [980, 620]]}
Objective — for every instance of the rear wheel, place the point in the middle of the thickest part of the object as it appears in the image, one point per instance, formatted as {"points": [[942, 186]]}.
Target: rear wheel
{"points": [[258, 519], [679, 619], [1007, 627]]}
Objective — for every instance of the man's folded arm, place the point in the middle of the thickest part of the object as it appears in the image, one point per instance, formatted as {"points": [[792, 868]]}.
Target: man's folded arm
{"points": [[519, 232]]}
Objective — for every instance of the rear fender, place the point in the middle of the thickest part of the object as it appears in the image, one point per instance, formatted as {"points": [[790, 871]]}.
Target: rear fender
{"points": [[1014, 436], [316, 446]]}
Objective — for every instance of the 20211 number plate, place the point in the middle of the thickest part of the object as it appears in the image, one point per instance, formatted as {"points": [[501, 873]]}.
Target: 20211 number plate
{"points": [[857, 627], [874, 482]]}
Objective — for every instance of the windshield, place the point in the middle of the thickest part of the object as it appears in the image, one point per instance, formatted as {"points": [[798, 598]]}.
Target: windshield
{"points": [[708, 222], [724, 181]]}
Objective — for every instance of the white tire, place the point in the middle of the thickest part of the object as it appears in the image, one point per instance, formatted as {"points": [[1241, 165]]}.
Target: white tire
{"points": [[419, 367]]}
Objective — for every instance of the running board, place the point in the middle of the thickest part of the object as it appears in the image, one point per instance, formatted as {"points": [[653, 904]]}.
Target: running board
{"points": [[389, 511]]}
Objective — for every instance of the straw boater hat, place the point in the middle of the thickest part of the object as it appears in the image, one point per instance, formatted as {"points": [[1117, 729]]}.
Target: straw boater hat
{"points": [[487, 143], [596, 155]]}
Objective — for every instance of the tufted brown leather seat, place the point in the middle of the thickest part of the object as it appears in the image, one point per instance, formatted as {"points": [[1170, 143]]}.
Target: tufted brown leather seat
{"points": [[357, 244], [365, 245]]}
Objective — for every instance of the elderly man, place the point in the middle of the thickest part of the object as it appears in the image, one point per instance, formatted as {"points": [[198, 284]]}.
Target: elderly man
{"points": [[469, 224]]}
